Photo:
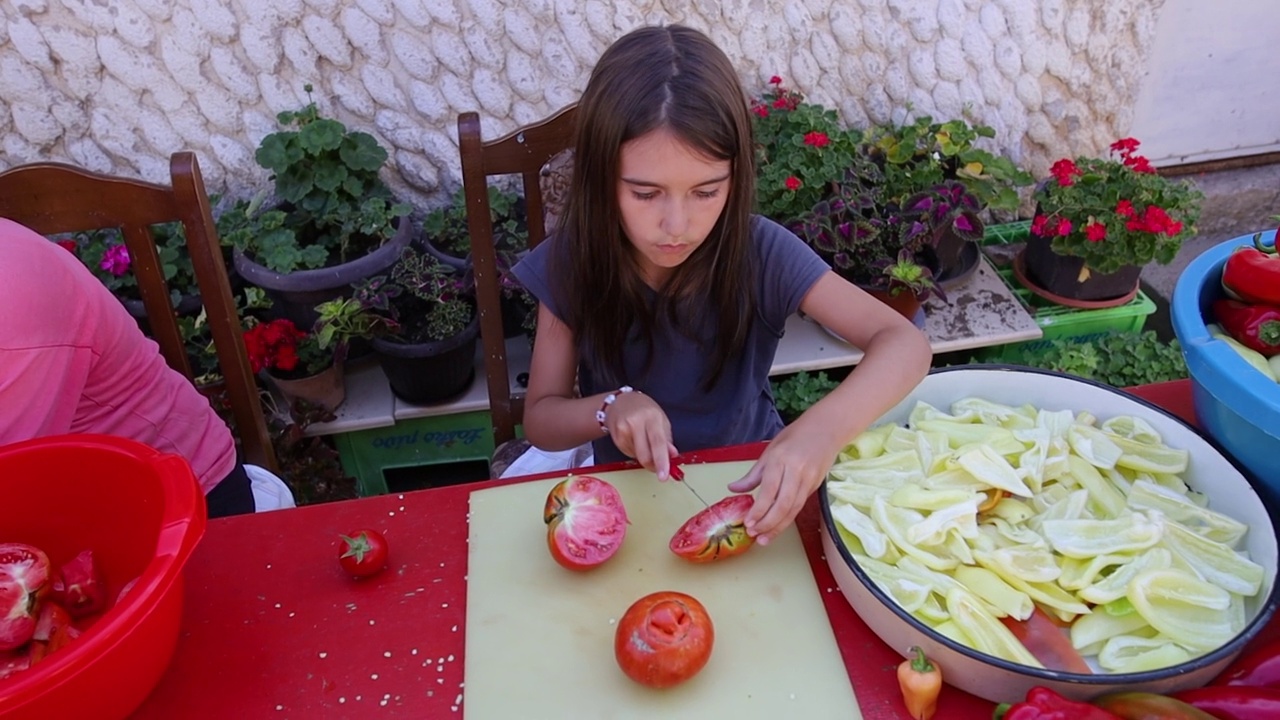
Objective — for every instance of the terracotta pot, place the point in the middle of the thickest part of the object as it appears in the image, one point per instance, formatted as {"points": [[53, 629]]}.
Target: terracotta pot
{"points": [[906, 304], [327, 388], [1061, 275]]}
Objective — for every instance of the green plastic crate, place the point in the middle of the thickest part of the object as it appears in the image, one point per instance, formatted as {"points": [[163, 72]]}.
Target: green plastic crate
{"points": [[1056, 321], [434, 440]]}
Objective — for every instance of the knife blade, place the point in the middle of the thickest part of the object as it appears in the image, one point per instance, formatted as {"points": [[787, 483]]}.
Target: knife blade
{"points": [[678, 475]]}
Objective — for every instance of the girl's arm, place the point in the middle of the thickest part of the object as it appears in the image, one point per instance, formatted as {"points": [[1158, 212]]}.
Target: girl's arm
{"points": [[556, 419], [896, 357]]}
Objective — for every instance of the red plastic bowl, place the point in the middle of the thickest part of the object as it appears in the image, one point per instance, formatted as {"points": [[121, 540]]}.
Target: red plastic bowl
{"points": [[142, 513]]}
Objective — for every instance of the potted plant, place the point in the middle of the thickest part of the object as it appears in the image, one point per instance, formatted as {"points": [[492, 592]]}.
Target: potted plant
{"points": [[801, 152], [445, 234], [309, 365], [334, 220], [1098, 221], [883, 249], [430, 354], [924, 154], [104, 253]]}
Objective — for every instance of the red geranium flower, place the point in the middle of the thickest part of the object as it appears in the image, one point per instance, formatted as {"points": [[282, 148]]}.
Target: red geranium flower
{"points": [[793, 183], [1095, 231], [775, 80], [1064, 171], [817, 139]]}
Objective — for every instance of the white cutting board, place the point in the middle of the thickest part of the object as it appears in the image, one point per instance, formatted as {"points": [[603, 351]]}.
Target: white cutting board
{"points": [[540, 637]]}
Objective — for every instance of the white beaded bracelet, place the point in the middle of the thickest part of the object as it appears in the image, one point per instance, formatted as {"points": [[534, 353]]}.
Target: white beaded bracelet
{"points": [[610, 399]]}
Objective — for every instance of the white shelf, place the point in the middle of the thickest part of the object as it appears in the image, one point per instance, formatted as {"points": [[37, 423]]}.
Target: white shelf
{"points": [[981, 313]]}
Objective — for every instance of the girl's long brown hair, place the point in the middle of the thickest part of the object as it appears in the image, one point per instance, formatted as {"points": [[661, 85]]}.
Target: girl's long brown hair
{"points": [[669, 77]]}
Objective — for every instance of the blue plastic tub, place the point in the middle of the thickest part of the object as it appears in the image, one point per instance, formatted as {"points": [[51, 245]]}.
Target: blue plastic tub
{"points": [[1237, 405]]}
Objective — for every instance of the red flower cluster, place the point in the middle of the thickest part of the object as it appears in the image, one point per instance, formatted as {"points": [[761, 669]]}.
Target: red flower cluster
{"points": [[1065, 172], [1153, 220], [817, 139], [1046, 226], [273, 345], [793, 183], [1127, 147]]}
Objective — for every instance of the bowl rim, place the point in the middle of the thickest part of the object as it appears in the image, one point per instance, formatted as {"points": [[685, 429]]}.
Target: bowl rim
{"points": [[1192, 331], [1251, 628]]}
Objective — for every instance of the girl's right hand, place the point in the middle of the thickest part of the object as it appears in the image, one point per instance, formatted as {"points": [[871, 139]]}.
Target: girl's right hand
{"points": [[641, 430]]}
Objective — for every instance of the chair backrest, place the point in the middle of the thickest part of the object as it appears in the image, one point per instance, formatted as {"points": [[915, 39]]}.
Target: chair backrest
{"points": [[53, 198], [522, 152]]}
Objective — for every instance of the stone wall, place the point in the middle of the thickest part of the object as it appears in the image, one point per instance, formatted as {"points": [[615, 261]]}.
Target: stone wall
{"points": [[118, 85]]}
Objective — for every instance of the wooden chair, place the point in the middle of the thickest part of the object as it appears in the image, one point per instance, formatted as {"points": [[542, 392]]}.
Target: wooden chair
{"points": [[522, 152], [53, 198]]}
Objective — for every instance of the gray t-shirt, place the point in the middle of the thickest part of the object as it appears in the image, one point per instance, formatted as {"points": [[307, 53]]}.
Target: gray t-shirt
{"points": [[739, 408]]}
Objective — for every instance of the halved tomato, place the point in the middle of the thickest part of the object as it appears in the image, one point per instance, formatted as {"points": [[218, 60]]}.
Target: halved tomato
{"points": [[663, 639], [715, 533], [586, 522], [24, 570]]}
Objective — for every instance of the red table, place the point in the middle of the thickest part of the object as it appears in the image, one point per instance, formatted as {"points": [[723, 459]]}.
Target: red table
{"points": [[272, 628]]}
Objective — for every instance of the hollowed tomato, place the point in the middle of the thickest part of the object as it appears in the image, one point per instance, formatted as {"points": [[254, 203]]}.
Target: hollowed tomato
{"points": [[664, 639], [586, 522], [24, 570], [715, 533]]}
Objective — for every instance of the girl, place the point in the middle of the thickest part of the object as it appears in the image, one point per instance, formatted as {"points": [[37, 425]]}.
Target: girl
{"points": [[662, 299]]}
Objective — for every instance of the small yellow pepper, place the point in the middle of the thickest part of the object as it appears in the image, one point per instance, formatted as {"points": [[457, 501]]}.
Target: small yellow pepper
{"points": [[921, 682]]}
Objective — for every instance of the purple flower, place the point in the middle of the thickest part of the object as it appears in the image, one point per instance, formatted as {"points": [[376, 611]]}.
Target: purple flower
{"points": [[115, 260]]}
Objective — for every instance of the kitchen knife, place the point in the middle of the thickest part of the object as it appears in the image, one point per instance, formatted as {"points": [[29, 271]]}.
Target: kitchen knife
{"points": [[678, 475]]}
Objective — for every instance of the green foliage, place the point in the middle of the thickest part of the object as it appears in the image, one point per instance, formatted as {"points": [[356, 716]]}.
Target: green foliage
{"points": [[1117, 359], [171, 246], [421, 298], [797, 142], [342, 320], [793, 394], [923, 153], [333, 206], [447, 225]]}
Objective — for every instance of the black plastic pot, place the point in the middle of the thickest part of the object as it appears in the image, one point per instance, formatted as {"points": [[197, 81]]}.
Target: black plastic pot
{"points": [[424, 373], [1060, 274], [296, 294]]}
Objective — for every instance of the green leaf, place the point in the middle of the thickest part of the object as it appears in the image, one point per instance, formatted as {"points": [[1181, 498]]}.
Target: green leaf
{"points": [[362, 152], [321, 135], [276, 153]]}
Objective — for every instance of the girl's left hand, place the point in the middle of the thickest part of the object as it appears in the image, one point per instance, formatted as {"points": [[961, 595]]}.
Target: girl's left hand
{"points": [[792, 466]]}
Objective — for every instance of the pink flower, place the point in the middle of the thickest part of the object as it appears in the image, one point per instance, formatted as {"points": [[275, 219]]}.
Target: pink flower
{"points": [[817, 139], [1064, 171], [1095, 231], [1064, 227], [793, 183], [115, 260]]}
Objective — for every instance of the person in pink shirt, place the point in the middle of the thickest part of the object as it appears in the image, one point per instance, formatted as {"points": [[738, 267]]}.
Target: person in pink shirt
{"points": [[72, 360]]}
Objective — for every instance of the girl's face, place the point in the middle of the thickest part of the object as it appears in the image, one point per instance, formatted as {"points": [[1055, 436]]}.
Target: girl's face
{"points": [[670, 196]]}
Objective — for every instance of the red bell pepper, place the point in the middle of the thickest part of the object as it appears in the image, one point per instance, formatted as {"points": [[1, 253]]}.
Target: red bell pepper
{"points": [[1255, 326], [1252, 274], [1259, 667], [1044, 704], [1235, 702]]}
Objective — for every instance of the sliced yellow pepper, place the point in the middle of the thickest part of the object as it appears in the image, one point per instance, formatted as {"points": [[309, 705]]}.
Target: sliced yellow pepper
{"points": [[1131, 653], [988, 634], [1105, 498], [1146, 495], [991, 468], [1214, 561], [874, 543], [1098, 627], [1116, 585], [1089, 538], [997, 593], [895, 523], [1188, 610]]}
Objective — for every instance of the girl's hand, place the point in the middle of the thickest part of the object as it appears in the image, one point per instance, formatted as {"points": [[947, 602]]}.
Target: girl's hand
{"points": [[641, 430], [789, 470]]}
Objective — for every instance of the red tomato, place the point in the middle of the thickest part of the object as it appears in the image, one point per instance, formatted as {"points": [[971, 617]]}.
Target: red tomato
{"points": [[663, 639], [586, 522], [24, 570], [79, 588], [715, 533], [363, 553]]}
